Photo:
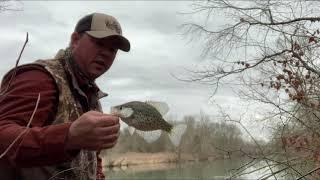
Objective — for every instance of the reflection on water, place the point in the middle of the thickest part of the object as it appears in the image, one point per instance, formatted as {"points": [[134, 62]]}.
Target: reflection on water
{"points": [[193, 170], [143, 168], [220, 169]]}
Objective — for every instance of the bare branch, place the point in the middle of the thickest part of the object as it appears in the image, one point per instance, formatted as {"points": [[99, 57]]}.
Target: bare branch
{"points": [[3, 93], [24, 131]]}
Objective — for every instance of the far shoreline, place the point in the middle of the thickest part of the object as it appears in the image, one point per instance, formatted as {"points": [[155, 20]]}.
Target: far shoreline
{"points": [[134, 158]]}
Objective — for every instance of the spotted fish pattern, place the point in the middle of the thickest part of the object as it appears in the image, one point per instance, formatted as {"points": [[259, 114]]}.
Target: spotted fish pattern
{"points": [[146, 116]]}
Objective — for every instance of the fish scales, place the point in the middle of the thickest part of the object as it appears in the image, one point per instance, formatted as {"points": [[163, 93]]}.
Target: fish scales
{"points": [[145, 117], [148, 116]]}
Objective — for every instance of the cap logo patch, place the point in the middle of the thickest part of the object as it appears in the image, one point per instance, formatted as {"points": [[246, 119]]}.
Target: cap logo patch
{"points": [[113, 26]]}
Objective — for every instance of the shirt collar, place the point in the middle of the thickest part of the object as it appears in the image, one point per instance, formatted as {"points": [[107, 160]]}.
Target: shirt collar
{"points": [[78, 82]]}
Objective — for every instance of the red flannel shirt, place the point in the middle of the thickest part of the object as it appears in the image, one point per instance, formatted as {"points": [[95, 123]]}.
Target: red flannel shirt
{"points": [[43, 144]]}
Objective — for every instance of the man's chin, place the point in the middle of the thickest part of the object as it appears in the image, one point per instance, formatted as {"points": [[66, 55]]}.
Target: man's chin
{"points": [[98, 71], [94, 76]]}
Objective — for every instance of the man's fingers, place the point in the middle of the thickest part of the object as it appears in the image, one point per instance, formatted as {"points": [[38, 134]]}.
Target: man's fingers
{"points": [[107, 120], [109, 145], [103, 144], [105, 131], [110, 138], [95, 113]]}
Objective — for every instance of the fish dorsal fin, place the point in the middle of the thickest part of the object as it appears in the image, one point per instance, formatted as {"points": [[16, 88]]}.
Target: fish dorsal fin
{"points": [[162, 107], [149, 136]]}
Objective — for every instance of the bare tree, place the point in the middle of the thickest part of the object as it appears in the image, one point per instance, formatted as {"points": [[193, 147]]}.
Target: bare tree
{"points": [[269, 50], [8, 5]]}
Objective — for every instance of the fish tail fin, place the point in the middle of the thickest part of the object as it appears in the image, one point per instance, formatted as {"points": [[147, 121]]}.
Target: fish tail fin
{"points": [[176, 133]]}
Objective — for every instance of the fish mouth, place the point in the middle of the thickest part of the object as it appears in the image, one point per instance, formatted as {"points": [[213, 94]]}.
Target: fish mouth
{"points": [[116, 114], [114, 111]]}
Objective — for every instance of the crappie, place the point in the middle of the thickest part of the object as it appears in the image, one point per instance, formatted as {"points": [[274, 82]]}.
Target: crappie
{"points": [[147, 119]]}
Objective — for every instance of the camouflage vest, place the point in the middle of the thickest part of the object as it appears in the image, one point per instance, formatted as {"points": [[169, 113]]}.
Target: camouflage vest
{"points": [[84, 165]]}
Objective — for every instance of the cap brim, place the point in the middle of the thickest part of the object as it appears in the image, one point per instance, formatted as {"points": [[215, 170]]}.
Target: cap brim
{"points": [[123, 43]]}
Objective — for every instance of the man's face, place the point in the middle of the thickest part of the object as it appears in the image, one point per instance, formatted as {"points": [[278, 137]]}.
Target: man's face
{"points": [[94, 56]]}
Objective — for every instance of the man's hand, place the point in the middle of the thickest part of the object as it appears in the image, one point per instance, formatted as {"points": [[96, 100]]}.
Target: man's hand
{"points": [[93, 131]]}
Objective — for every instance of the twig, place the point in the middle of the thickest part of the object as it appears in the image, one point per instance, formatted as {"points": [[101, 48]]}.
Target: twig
{"points": [[24, 131], [63, 171], [69, 169], [15, 68], [277, 172], [310, 172]]}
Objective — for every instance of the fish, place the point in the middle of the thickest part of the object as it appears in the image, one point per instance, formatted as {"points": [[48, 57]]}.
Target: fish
{"points": [[146, 119]]}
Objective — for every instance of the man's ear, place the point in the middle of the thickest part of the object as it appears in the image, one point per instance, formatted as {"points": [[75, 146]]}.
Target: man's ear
{"points": [[75, 37]]}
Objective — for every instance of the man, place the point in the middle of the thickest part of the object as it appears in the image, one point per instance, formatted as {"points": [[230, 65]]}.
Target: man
{"points": [[68, 128]]}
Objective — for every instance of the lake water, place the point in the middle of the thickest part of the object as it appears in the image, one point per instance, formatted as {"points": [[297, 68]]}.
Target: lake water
{"points": [[194, 170]]}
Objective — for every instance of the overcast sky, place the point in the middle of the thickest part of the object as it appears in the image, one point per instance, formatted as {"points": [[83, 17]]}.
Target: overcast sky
{"points": [[158, 49]]}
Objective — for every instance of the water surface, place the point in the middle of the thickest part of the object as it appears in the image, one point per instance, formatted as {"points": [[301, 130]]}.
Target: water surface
{"points": [[193, 170]]}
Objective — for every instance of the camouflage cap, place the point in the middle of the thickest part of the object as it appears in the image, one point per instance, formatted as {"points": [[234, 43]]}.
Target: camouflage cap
{"points": [[100, 25]]}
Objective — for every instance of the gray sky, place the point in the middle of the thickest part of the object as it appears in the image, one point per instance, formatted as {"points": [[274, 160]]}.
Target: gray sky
{"points": [[158, 49]]}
